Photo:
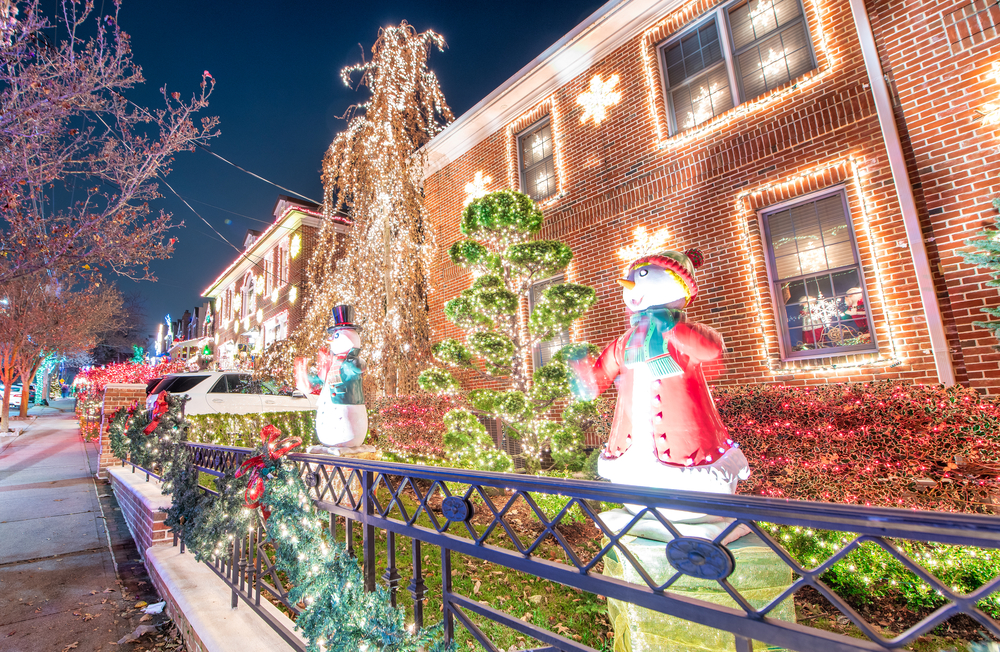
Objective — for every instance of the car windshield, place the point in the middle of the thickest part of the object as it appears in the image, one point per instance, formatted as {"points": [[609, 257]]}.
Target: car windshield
{"points": [[178, 384], [151, 385]]}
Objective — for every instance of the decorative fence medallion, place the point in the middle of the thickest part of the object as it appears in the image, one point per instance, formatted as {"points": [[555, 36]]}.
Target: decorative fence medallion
{"points": [[455, 508], [311, 479], [700, 558]]}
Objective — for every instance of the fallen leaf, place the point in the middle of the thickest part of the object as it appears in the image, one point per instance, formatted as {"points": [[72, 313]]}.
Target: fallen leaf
{"points": [[108, 591], [145, 618], [537, 599], [140, 604], [72, 645], [475, 589]]}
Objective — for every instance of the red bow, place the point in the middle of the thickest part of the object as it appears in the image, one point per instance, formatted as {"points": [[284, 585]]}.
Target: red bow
{"points": [[159, 410], [273, 450]]}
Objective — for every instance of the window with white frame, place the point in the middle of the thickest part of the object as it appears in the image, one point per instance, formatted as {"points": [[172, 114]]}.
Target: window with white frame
{"points": [[247, 303], [269, 280], [816, 281], [733, 54], [282, 262], [536, 154], [546, 349]]}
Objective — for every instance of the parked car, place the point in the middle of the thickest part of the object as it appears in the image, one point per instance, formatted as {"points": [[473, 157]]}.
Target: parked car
{"points": [[15, 394], [214, 392]]}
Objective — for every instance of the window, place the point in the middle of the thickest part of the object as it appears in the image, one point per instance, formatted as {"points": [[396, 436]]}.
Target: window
{"points": [[248, 302], [178, 384], [767, 45], [269, 283], [816, 278], [546, 349], [282, 264], [537, 160]]}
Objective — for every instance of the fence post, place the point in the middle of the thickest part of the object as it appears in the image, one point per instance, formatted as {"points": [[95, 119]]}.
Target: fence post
{"points": [[368, 534], [449, 616]]}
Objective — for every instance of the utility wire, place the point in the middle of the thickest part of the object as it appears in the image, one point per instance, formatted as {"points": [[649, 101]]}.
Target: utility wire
{"points": [[205, 147]]}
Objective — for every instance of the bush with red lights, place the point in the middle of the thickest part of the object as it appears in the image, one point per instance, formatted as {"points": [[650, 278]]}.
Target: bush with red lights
{"points": [[410, 428]]}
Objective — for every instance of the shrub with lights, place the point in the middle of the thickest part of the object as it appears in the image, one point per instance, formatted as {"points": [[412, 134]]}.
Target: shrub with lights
{"points": [[505, 261], [410, 428]]}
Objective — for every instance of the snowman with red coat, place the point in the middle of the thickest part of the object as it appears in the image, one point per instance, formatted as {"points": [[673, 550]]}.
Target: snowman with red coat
{"points": [[666, 431]]}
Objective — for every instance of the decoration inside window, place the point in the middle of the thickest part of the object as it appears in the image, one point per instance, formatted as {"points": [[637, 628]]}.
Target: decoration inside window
{"points": [[768, 46], [538, 167], [817, 278]]}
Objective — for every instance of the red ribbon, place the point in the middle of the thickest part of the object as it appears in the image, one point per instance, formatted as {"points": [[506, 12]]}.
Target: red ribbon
{"points": [[273, 449], [159, 410]]}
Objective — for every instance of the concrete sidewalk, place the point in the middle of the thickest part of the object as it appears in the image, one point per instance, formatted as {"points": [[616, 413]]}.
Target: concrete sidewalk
{"points": [[69, 572]]}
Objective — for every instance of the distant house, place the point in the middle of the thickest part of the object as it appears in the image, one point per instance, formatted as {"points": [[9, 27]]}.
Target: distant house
{"points": [[257, 300]]}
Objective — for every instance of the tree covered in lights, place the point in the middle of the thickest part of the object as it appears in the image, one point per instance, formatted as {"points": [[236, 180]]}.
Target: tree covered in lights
{"points": [[374, 171], [505, 261], [987, 256]]}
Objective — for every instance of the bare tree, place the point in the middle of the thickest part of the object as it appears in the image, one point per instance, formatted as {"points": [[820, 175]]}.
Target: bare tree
{"points": [[78, 160], [115, 342], [40, 315]]}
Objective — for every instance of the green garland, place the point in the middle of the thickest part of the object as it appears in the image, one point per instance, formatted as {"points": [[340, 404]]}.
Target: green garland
{"points": [[338, 614]]}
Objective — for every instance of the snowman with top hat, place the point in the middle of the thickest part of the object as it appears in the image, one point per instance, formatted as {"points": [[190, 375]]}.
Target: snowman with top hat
{"points": [[341, 415], [666, 432]]}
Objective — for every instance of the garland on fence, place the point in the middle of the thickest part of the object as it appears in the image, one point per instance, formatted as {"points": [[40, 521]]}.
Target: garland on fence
{"points": [[338, 613]]}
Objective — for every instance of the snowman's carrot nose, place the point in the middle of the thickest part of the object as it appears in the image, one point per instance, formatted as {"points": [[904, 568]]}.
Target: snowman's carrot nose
{"points": [[625, 283]]}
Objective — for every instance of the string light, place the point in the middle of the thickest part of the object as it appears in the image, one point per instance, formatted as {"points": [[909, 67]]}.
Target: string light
{"points": [[746, 213], [991, 112], [657, 108]]}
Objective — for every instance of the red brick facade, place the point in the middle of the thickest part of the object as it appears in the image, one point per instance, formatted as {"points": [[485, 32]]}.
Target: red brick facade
{"points": [[116, 396], [706, 185], [143, 506]]}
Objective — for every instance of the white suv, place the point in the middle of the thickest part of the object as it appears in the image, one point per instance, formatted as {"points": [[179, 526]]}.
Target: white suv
{"points": [[230, 392]]}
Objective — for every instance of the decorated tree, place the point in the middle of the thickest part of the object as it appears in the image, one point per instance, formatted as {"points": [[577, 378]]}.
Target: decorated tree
{"points": [[79, 162], [505, 262], [374, 171], [988, 257], [41, 315]]}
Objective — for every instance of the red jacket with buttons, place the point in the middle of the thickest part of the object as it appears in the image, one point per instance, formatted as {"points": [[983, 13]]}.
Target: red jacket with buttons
{"points": [[687, 427]]}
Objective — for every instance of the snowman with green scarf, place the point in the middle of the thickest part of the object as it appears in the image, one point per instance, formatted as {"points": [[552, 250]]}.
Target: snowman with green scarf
{"points": [[666, 431]]}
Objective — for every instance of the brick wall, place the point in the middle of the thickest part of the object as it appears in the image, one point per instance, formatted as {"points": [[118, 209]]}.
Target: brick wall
{"points": [[938, 58], [143, 505], [705, 187], [116, 396]]}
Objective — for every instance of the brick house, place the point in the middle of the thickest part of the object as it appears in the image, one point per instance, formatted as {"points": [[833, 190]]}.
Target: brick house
{"points": [[829, 205], [258, 299]]}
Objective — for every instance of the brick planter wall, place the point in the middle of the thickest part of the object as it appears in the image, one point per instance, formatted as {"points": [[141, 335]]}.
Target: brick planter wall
{"points": [[143, 506], [116, 395]]}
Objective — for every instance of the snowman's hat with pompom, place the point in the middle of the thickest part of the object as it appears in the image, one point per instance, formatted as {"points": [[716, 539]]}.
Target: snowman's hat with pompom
{"points": [[681, 264]]}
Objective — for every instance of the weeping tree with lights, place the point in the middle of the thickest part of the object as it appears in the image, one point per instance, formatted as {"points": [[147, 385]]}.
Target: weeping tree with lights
{"points": [[505, 262], [374, 171], [988, 256]]}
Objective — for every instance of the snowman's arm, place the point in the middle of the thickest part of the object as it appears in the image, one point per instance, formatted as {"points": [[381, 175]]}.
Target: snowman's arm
{"points": [[698, 342], [590, 378]]}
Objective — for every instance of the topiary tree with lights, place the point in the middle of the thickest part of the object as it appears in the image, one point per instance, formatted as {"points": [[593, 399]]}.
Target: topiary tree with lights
{"points": [[505, 262], [988, 256]]}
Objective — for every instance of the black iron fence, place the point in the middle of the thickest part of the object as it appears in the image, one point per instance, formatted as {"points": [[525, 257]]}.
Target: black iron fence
{"points": [[471, 514]]}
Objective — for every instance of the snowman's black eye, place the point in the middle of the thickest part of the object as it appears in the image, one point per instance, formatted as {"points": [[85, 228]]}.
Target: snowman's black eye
{"points": [[643, 272]]}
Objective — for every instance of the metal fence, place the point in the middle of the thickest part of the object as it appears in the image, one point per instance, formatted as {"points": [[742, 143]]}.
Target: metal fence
{"points": [[458, 512]]}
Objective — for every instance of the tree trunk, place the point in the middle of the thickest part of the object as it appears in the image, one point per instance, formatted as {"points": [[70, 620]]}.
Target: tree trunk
{"points": [[25, 393], [5, 417]]}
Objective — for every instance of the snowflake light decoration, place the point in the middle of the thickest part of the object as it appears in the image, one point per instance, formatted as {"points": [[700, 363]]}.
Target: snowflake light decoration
{"points": [[477, 187], [595, 102], [644, 243]]}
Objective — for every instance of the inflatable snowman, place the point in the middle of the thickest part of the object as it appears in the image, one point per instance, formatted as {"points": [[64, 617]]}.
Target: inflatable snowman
{"points": [[341, 415], [666, 431]]}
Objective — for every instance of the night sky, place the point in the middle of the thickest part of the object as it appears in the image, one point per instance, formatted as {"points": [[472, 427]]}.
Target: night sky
{"points": [[279, 95]]}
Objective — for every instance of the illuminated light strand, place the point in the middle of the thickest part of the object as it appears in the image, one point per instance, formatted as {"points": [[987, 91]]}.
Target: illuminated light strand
{"points": [[655, 99], [990, 113], [747, 212], [478, 187], [526, 119]]}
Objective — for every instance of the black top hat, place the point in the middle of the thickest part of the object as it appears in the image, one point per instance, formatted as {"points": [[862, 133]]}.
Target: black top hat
{"points": [[343, 317]]}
